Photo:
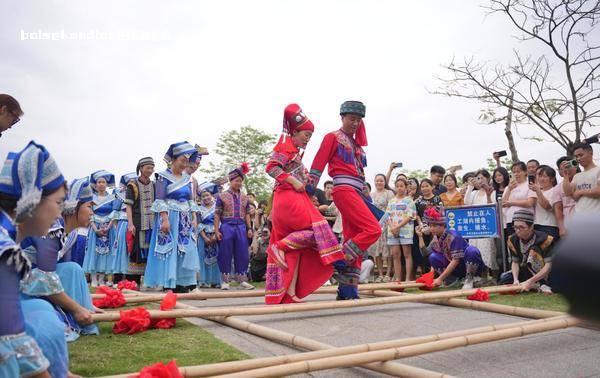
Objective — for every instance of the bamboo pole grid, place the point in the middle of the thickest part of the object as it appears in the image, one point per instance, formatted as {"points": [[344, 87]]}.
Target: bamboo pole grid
{"points": [[373, 356]]}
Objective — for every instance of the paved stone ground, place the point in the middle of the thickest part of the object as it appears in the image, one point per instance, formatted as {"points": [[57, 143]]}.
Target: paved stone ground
{"points": [[573, 352]]}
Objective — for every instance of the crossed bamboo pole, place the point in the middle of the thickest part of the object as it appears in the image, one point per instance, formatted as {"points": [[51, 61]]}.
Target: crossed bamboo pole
{"points": [[137, 297], [345, 360], [326, 357], [302, 307], [389, 368]]}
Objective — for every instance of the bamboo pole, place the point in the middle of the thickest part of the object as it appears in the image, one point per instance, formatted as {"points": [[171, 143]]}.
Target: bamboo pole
{"points": [[132, 296], [482, 306], [298, 341], [302, 307], [317, 348], [356, 359]]}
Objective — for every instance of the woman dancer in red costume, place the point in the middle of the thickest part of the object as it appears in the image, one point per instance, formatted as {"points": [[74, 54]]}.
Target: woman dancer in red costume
{"points": [[303, 247]]}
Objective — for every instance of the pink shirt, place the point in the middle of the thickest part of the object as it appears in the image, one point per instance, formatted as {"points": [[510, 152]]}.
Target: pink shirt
{"points": [[567, 202], [520, 193], [545, 217]]}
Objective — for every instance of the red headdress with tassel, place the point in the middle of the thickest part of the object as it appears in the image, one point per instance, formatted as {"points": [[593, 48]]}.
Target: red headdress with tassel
{"points": [[360, 137], [294, 119], [434, 216], [240, 171]]}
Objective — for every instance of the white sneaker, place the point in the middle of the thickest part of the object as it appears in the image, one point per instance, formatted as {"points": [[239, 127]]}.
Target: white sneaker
{"points": [[545, 289], [196, 290], [327, 283], [246, 286], [224, 286], [468, 284]]}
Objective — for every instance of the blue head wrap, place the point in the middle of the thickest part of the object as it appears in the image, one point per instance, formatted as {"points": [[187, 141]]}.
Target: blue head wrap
{"points": [[127, 177], [177, 149], [80, 191], [28, 174], [109, 177]]}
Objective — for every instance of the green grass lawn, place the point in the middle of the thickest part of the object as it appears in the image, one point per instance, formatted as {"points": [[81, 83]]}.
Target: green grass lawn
{"points": [[554, 302], [106, 354]]}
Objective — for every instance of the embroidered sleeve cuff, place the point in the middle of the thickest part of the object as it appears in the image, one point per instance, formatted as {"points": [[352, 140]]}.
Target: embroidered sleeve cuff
{"points": [[282, 177], [41, 284], [159, 206], [458, 254], [315, 176]]}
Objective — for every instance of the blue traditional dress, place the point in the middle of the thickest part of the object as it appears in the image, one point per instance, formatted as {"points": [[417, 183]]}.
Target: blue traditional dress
{"points": [[54, 273], [19, 353], [209, 267], [25, 176], [173, 256], [98, 256], [79, 245], [120, 260]]}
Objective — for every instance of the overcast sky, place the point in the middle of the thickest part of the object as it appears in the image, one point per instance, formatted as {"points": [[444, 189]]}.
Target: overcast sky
{"points": [[145, 74]]}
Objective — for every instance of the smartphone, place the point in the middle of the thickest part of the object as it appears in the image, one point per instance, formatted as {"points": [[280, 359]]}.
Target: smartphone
{"points": [[500, 153], [592, 139], [397, 165], [531, 179]]}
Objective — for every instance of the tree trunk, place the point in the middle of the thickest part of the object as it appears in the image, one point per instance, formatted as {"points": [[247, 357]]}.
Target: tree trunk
{"points": [[507, 130]]}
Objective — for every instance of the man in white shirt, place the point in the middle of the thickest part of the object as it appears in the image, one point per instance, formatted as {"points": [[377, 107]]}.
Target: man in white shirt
{"points": [[584, 186]]}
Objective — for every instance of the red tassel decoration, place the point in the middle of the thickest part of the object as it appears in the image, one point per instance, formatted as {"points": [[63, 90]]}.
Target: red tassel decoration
{"points": [[112, 298], [129, 238], [133, 321], [129, 285], [160, 370], [245, 168], [480, 296], [427, 280]]}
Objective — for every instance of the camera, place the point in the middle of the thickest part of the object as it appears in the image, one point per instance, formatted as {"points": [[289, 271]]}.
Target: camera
{"points": [[397, 165], [592, 139], [573, 164]]}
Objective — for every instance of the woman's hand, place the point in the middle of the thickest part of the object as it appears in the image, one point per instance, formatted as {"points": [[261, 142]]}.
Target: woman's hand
{"points": [[506, 204], [83, 316], [218, 235], [437, 282], [419, 231], [512, 184], [131, 228], [165, 226], [535, 188], [527, 285], [298, 186], [249, 233]]}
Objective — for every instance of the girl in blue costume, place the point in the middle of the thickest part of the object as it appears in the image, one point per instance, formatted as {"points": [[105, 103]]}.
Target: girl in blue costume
{"points": [[56, 278], [77, 216], [173, 255], [210, 276], [98, 257], [59, 281], [120, 262], [32, 191]]}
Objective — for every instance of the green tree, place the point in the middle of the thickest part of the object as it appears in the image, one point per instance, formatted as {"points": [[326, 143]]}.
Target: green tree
{"points": [[246, 144], [419, 174], [491, 164]]}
